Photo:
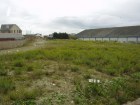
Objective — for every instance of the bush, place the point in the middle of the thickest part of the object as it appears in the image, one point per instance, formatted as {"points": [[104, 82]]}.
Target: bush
{"points": [[60, 35]]}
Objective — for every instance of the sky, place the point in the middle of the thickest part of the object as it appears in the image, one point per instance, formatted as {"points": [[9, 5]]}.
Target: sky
{"points": [[71, 16]]}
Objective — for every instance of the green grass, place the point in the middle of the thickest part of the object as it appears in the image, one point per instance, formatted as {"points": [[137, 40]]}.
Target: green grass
{"points": [[65, 66], [6, 84]]}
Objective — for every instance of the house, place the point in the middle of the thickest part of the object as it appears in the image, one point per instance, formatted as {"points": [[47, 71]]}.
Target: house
{"points": [[10, 32], [10, 28]]}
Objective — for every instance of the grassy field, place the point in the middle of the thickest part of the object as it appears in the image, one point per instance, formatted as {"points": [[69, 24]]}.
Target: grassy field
{"points": [[71, 72]]}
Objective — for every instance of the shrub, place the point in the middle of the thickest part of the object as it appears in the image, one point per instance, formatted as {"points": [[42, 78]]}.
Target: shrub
{"points": [[60, 35]]}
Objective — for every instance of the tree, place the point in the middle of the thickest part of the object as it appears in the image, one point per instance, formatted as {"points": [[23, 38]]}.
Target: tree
{"points": [[60, 35]]}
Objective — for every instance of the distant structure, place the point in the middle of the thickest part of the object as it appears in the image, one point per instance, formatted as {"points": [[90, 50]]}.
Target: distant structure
{"points": [[117, 34], [33, 36], [50, 36], [10, 28], [10, 32], [113, 32]]}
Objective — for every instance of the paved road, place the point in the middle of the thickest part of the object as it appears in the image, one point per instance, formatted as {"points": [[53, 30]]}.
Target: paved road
{"points": [[39, 43]]}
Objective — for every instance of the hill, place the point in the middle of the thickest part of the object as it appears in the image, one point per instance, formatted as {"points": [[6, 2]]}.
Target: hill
{"points": [[128, 31]]}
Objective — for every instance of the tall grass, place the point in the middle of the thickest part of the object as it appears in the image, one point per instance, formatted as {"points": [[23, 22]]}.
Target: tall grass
{"points": [[6, 84], [110, 58]]}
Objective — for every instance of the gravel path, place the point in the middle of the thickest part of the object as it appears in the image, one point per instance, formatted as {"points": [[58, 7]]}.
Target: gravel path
{"points": [[40, 43]]}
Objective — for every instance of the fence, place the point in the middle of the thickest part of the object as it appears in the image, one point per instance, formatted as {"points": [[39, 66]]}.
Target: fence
{"points": [[125, 39]]}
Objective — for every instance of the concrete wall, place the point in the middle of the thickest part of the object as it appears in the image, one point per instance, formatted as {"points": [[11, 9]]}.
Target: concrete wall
{"points": [[127, 39], [11, 44], [11, 35]]}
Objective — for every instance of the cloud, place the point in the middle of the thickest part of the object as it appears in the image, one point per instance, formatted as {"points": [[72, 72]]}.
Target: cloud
{"points": [[94, 21], [8, 11], [47, 16]]}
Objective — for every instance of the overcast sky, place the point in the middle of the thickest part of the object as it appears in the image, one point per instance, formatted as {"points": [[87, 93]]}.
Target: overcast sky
{"points": [[72, 16]]}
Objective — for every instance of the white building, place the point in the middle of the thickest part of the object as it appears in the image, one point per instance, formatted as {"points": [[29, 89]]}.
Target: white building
{"points": [[10, 32]]}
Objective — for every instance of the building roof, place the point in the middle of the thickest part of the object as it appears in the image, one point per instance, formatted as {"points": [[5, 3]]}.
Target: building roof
{"points": [[8, 26]]}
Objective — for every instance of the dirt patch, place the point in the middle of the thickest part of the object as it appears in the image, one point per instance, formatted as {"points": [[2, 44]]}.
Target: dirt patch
{"points": [[136, 102]]}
